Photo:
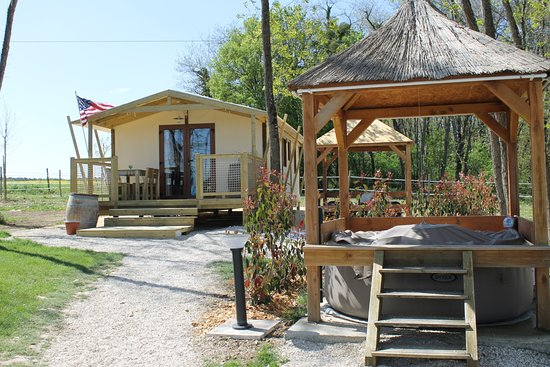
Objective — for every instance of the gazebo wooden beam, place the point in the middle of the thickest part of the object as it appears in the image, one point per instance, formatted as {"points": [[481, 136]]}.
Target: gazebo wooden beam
{"points": [[399, 152], [358, 130], [330, 109], [421, 111], [540, 214], [340, 128], [510, 98], [324, 154], [494, 125]]}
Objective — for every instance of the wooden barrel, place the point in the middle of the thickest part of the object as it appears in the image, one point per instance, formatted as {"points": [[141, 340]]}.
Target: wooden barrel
{"points": [[82, 208]]}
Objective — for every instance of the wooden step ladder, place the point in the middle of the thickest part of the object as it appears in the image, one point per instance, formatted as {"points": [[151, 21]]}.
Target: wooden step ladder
{"points": [[378, 294]]}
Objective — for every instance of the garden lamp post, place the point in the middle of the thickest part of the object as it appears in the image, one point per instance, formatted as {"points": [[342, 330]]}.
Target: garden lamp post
{"points": [[236, 244]]}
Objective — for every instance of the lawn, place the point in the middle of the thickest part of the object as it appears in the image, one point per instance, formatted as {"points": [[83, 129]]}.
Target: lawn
{"points": [[36, 283]]}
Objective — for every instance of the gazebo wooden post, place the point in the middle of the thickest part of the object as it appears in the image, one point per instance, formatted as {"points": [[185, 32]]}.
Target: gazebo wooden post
{"points": [[325, 180], [311, 215], [408, 176], [540, 216], [512, 151], [341, 132]]}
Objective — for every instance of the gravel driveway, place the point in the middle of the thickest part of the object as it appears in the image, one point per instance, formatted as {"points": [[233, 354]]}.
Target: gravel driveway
{"points": [[142, 314]]}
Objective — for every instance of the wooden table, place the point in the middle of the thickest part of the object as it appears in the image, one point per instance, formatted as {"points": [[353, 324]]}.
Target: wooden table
{"points": [[126, 176]]}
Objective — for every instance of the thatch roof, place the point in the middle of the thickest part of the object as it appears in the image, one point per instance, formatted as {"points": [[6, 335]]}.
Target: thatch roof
{"points": [[377, 134], [420, 43]]}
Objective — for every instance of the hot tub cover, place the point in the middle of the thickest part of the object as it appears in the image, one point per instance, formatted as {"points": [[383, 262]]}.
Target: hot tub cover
{"points": [[429, 234]]}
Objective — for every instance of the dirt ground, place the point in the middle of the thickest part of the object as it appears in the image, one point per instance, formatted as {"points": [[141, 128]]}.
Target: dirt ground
{"points": [[32, 219]]}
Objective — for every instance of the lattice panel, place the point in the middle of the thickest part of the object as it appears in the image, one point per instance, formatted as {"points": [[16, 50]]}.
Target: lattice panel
{"points": [[221, 175]]}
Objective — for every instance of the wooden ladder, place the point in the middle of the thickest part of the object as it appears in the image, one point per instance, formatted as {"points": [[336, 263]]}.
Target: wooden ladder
{"points": [[378, 294]]}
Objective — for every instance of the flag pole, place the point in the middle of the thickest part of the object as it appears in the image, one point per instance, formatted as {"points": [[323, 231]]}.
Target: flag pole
{"points": [[81, 125]]}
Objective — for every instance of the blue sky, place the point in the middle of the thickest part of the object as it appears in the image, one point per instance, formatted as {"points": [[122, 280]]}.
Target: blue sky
{"points": [[41, 78]]}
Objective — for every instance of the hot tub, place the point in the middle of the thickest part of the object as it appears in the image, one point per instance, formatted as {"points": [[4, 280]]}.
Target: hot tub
{"points": [[501, 294]]}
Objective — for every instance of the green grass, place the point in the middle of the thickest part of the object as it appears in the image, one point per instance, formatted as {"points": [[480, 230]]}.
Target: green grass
{"points": [[266, 356], [526, 208], [223, 268], [32, 195], [36, 283], [300, 310]]}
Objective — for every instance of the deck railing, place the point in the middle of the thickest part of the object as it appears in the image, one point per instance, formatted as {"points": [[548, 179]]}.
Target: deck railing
{"points": [[97, 176], [226, 175]]}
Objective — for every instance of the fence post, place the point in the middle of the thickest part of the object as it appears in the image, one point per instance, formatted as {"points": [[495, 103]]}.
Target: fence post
{"points": [[48, 179], [74, 176], [60, 192]]}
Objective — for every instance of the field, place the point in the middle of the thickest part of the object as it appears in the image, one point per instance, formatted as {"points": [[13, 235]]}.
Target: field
{"points": [[31, 204]]}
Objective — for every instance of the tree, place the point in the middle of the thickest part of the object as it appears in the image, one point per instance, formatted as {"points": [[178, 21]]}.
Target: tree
{"points": [[6, 135], [5, 126], [7, 39], [300, 39], [275, 154]]}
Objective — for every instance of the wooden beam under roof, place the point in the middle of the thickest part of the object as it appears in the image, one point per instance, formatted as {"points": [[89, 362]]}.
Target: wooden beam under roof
{"points": [[330, 109], [495, 126], [510, 98], [422, 111]]}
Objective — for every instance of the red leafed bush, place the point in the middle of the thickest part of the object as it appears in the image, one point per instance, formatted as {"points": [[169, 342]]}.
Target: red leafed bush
{"points": [[274, 252], [470, 195]]}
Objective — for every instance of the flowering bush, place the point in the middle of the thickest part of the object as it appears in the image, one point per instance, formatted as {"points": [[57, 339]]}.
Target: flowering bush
{"points": [[380, 205], [274, 253], [470, 195]]}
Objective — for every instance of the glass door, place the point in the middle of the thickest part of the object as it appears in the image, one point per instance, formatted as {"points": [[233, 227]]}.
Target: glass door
{"points": [[179, 145], [172, 164]]}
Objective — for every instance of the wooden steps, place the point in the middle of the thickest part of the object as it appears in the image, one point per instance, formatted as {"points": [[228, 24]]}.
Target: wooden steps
{"points": [[406, 322], [467, 325], [135, 232], [149, 221], [422, 353], [154, 212], [167, 221]]}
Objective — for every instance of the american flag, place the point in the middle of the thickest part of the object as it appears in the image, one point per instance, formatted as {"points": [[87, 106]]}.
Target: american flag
{"points": [[88, 108]]}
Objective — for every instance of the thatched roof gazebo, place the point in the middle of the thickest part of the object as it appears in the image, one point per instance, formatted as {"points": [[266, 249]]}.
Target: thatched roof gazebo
{"points": [[422, 64], [377, 137]]}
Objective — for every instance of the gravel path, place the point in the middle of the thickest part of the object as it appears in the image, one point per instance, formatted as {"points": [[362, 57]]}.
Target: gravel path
{"points": [[142, 314]]}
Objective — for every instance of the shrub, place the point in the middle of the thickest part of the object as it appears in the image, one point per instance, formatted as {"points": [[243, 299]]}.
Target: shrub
{"points": [[274, 253], [470, 195], [381, 203]]}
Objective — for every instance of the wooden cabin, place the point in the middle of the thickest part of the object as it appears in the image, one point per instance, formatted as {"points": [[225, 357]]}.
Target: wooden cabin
{"points": [[178, 150], [422, 64]]}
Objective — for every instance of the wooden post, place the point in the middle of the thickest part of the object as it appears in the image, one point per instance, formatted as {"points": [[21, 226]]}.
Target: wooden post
{"points": [[114, 181], [113, 136], [408, 176], [540, 214], [200, 176], [513, 177], [311, 216], [75, 146], [90, 156], [244, 174], [74, 176], [48, 178], [60, 192], [340, 128], [253, 133]]}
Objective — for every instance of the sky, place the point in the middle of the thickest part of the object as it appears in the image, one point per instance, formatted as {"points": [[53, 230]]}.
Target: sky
{"points": [[43, 74]]}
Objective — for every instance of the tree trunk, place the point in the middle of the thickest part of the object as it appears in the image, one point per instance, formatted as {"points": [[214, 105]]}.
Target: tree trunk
{"points": [[7, 38], [443, 165], [497, 171], [469, 15], [275, 156], [512, 23], [488, 18]]}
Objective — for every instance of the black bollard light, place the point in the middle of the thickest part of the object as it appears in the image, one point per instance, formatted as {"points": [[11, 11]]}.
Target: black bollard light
{"points": [[236, 247]]}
